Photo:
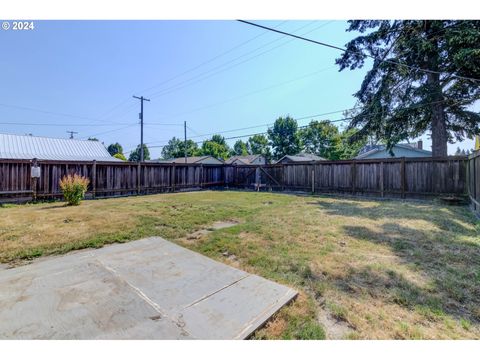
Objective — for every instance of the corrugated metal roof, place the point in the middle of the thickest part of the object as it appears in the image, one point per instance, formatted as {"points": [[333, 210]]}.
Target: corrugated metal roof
{"points": [[44, 148]]}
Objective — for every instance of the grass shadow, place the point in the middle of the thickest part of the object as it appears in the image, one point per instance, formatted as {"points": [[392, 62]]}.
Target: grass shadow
{"points": [[451, 265]]}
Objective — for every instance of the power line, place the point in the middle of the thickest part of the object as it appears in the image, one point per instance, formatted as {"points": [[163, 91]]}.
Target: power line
{"points": [[56, 124], [53, 113], [110, 131], [252, 127], [210, 60], [261, 125], [191, 69], [197, 78], [300, 127], [355, 52], [251, 93]]}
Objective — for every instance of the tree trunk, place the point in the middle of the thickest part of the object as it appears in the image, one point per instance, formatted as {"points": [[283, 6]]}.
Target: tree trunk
{"points": [[439, 126], [439, 132]]}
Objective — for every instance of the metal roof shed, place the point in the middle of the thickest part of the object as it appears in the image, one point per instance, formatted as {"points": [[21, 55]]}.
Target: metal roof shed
{"points": [[45, 148]]}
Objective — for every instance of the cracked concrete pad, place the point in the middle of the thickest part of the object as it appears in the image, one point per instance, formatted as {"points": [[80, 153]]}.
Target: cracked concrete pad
{"points": [[147, 289]]}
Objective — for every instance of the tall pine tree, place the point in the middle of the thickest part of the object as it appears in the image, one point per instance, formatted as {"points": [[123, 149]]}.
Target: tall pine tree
{"points": [[398, 102]]}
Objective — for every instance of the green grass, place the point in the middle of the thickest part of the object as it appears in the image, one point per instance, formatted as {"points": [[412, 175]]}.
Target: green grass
{"points": [[377, 269]]}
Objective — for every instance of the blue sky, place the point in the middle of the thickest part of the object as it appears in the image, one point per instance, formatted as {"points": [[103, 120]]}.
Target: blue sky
{"points": [[216, 75]]}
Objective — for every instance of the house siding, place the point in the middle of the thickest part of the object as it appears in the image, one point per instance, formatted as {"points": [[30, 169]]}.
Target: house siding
{"points": [[398, 152]]}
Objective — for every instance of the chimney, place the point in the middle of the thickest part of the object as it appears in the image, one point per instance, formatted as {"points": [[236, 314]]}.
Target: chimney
{"points": [[420, 144]]}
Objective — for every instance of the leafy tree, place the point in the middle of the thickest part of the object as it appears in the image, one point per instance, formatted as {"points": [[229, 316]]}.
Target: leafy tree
{"points": [[216, 147], [120, 156], [400, 102], [135, 154], [320, 138], [115, 149], [240, 148], [258, 145], [283, 137], [348, 144], [219, 139], [176, 148]]}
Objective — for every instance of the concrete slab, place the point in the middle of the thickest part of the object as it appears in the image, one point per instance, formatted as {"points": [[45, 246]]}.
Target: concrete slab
{"points": [[146, 289]]}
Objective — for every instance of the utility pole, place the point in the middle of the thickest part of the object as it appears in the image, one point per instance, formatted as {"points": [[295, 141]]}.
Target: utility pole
{"points": [[185, 136], [71, 133], [142, 99]]}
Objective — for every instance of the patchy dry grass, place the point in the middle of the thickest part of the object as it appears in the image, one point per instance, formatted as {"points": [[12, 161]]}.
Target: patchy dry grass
{"points": [[365, 269]]}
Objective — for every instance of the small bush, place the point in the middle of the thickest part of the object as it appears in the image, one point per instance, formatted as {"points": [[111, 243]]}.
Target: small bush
{"points": [[74, 188], [120, 156]]}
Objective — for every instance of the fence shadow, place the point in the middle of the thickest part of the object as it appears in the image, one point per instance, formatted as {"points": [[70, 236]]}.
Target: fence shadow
{"points": [[445, 218], [448, 256]]}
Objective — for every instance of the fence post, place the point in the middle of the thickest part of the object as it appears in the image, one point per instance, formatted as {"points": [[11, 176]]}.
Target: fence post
{"points": [[475, 182], [225, 182], [235, 176], [139, 178], [173, 177], [354, 175], [201, 176], [94, 178], [403, 176], [381, 179], [283, 176], [34, 180], [313, 179]]}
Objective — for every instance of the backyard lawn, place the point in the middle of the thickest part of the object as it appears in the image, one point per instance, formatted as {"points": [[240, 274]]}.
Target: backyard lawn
{"points": [[365, 269]]}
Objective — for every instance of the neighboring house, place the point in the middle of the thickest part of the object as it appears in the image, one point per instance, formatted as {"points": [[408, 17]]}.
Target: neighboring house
{"points": [[208, 160], [399, 150], [45, 148], [300, 157], [247, 160]]}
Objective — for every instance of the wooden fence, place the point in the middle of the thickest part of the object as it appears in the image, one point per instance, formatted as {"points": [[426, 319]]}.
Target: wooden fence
{"points": [[473, 183], [106, 179], [393, 177]]}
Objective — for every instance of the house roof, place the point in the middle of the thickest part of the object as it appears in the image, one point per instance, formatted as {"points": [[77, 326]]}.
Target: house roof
{"points": [[247, 159], [372, 149], [301, 157], [194, 159], [45, 148]]}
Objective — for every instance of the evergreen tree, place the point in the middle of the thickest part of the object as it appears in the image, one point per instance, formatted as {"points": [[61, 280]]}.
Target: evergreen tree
{"points": [[400, 102]]}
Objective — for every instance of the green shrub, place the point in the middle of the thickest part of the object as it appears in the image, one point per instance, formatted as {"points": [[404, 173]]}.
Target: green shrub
{"points": [[74, 188], [120, 156]]}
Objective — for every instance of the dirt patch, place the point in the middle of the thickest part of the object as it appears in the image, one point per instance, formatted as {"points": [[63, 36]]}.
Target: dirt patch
{"points": [[335, 329], [222, 225], [217, 225]]}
